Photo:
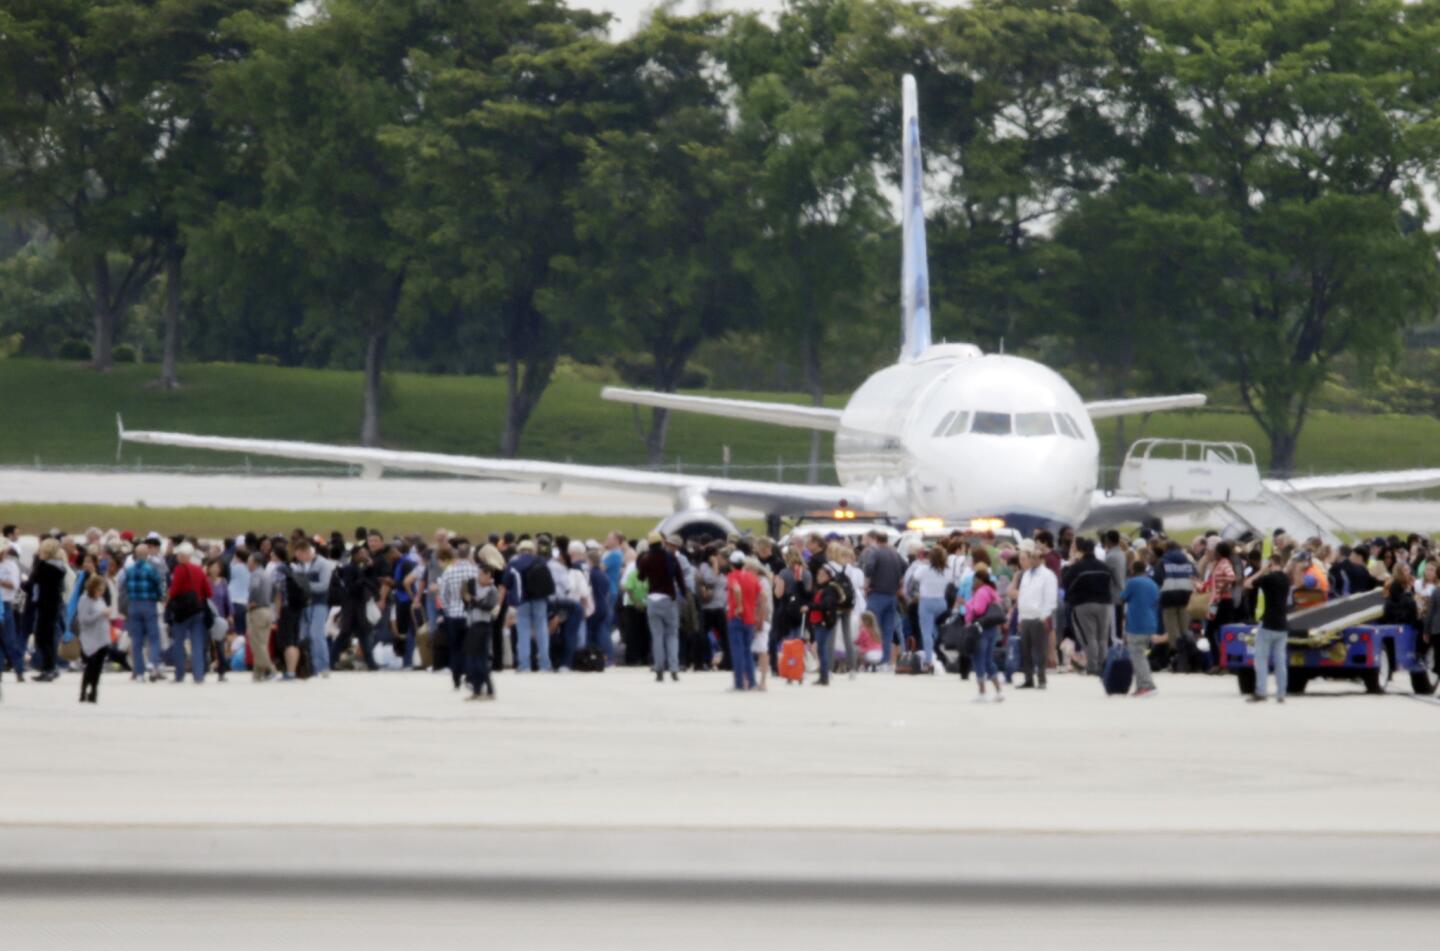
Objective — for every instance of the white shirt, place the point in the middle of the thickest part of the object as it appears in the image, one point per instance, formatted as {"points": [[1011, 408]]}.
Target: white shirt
{"points": [[931, 582], [1039, 592], [10, 572]]}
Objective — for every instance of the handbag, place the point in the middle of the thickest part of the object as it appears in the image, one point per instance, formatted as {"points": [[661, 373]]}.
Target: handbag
{"points": [[994, 614]]}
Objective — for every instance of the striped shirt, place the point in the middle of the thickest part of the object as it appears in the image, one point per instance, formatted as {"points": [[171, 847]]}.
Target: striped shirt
{"points": [[452, 586]]}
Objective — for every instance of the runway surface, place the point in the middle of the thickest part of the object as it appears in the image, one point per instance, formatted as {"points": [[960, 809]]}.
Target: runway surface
{"points": [[367, 810]]}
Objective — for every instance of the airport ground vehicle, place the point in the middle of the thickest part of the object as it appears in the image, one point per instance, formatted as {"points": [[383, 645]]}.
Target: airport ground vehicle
{"points": [[1339, 640]]}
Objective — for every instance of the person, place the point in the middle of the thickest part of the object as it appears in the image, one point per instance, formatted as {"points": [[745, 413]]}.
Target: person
{"points": [[238, 566], [742, 613], [185, 605], [600, 625], [314, 573], [1274, 585], [791, 594], [984, 596], [291, 600], [714, 608], [92, 617], [220, 603], [760, 645], [144, 590], [665, 581], [1175, 574], [1220, 583], [1400, 603], [262, 607], [481, 598], [884, 570], [1087, 593], [1035, 600], [459, 577], [531, 580], [10, 580], [1115, 562], [47, 581], [1141, 598], [867, 642], [930, 581], [825, 606]]}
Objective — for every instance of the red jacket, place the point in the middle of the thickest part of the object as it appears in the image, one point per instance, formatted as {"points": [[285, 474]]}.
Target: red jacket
{"points": [[190, 577]]}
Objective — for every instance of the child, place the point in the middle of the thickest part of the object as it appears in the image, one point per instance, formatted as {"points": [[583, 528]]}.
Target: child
{"points": [[867, 645], [480, 601], [92, 616]]}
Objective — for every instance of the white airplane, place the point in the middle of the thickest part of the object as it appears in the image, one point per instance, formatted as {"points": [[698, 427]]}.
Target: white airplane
{"points": [[946, 432]]}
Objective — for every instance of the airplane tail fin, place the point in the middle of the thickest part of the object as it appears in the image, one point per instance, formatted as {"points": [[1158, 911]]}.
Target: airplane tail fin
{"points": [[915, 268]]}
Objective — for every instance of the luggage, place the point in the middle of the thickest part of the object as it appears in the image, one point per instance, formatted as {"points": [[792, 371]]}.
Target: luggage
{"points": [[952, 634], [910, 661], [792, 659], [305, 668], [1118, 672], [590, 660]]}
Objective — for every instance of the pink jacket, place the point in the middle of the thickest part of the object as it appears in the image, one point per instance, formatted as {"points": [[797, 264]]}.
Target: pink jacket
{"points": [[983, 597]]}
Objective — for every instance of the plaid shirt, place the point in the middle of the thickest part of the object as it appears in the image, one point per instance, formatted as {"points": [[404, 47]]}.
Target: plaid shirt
{"points": [[452, 586], [142, 582]]}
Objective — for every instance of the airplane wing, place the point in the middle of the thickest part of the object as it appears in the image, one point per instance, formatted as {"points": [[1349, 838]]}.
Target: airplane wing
{"points": [[1103, 409], [689, 492], [777, 414], [1356, 483]]}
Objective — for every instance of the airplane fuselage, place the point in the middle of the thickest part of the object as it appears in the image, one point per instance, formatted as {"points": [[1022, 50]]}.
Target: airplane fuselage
{"points": [[959, 435]]}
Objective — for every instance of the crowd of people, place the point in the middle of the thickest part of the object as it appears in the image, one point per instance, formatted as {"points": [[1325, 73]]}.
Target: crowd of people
{"points": [[1012, 612]]}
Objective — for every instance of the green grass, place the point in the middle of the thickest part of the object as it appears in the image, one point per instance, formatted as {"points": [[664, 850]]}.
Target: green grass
{"points": [[59, 413], [224, 523]]}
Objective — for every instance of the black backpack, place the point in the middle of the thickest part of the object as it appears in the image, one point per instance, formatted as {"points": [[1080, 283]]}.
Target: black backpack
{"points": [[536, 581], [847, 591], [336, 595]]}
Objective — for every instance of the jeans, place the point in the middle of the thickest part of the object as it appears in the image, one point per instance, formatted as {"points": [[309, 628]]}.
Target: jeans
{"points": [[455, 629], [984, 659], [570, 628], [192, 631], [825, 647], [10, 638], [597, 633], [742, 661], [1270, 651], [1139, 647], [664, 615], [930, 611], [1012, 657], [846, 622], [143, 623], [532, 626], [887, 619], [312, 632]]}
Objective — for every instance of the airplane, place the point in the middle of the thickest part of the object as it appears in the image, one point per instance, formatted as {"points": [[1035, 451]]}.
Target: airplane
{"points": [[945, 432]]}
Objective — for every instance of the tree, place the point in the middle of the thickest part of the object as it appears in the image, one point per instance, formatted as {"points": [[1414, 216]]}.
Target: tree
{"points": [[317, 96], [665, 212], [97, 101], [1311, 140]]}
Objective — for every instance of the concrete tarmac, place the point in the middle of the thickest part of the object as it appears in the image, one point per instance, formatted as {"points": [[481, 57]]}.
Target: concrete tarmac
{"points": [[364, 810]]}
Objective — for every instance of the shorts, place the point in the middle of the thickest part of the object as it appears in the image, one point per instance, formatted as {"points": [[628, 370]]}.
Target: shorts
{"points": [[287, 631], [761, 642]]}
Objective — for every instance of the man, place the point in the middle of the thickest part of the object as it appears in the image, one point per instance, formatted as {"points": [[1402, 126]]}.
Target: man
{"points": [[662, 572], [314, 573], [189, 590], [1357, 573], [239, 586], [1141, 598], [767, 555], [1274, 630], [399, 570], [262, 606], [1115, 560], [884, 571], [144, 589], [1087, 593], [566, 602], [1037, 598], [461, 574], [529, 577], [1175, 575], [742, 609], [13, 649]]}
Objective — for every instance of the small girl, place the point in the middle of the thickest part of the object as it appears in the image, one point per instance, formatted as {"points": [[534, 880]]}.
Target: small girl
{"points": [[867, 644], [92, 616]]}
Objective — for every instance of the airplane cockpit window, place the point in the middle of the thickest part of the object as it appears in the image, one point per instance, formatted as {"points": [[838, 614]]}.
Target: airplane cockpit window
{"points": [[961, 423], [991, 424], [1067, 426], [945, 421], [1034, 424]]}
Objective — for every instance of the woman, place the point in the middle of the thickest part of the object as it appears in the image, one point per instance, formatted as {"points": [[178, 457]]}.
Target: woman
{"points": [[792, 593], [220, 603], [851, 619], [92, 617], [825, 605], [987, 609], [1400, 606], [1219, 583], [760, 646], [709, 572], [930, 581], [47, 577]]}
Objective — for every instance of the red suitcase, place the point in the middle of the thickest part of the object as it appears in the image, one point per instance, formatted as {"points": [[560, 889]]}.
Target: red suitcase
{"points": [[792, 659]]}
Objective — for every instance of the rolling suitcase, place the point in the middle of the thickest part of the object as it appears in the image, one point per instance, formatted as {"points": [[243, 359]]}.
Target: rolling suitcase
{"points": [[792, 659], [1118, 672]]}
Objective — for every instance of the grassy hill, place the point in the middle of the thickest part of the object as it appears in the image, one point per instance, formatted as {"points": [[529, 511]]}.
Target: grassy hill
{"points": [[59, 413]]}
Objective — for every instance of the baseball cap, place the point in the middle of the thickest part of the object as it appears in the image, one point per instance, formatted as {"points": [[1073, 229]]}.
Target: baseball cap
{"points": [[737, 558], [675, 540], [654, 538]]}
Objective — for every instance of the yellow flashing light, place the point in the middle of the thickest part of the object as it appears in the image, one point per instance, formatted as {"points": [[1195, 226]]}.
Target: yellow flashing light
{"points": [[843, 515], [929, 526], [986, 525]]}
